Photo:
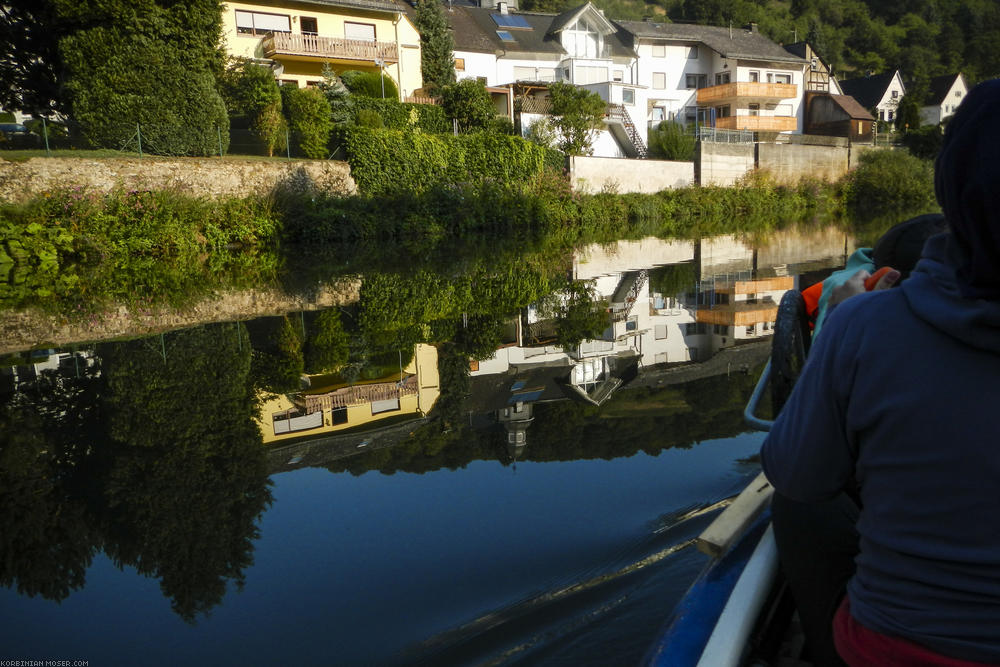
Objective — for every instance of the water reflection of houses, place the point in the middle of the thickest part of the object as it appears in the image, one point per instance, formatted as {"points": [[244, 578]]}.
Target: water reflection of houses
{"points": [[36, 362], [327, 410], [672, 301]]}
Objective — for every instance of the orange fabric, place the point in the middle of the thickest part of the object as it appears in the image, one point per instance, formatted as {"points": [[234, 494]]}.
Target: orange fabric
{"points": [[811, 296]]}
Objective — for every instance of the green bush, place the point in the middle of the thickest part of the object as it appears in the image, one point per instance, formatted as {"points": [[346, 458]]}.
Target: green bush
{"points": [[890, 183], [428, 118], [369, 84], [669, 141], [392, 161], [118, 82], [469, 103], [924, 142], [369, 118], [250, 89], [308, 114], [7, 117], [328, 345]]}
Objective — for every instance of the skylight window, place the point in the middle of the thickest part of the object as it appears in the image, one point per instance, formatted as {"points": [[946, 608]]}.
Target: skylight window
{"points": [[511, 21], [505, 36]]}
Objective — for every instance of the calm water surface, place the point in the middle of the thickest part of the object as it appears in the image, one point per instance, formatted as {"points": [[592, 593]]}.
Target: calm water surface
{"points": [[540, 514]]}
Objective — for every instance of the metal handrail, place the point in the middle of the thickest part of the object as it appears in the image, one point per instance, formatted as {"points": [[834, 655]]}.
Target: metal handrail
{"points": [[749, 413]]}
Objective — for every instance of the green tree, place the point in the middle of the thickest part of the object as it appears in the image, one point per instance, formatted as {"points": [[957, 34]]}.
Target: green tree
{"points": [[579, 313], [309, 119], [341, 102], [469, 103], [328, 345], [149, 64], [186, 475], [577, 116], [908, 112], [437, 61], [278, 362]]}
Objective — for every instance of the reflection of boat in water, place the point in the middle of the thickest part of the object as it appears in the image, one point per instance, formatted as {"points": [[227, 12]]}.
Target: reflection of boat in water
{"points": [[739, 610]]}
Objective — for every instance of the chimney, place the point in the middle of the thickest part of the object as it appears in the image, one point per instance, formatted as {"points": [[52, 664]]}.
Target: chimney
{"points": [[501, 6], [752, 27]]}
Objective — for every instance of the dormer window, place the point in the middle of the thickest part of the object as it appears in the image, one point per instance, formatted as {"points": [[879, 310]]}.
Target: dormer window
{"points": [[582, 40]]}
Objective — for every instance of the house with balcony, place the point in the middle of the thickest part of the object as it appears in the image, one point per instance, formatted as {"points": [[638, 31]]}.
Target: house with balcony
{"points": [[946, 93], [322, 410], [727, 78], [524, 52], [879, 93], [296, 38]]}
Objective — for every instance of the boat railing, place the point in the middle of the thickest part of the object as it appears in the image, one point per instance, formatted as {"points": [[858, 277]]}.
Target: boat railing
{"points": [[750, 412]]}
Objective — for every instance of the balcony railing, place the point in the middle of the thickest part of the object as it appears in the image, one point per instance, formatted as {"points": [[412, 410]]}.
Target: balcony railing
{"points": [[746, 91], [321, 46], [758, 123]]}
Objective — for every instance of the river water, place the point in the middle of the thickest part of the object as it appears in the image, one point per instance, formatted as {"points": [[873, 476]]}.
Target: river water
{"points": [[167, 500]]}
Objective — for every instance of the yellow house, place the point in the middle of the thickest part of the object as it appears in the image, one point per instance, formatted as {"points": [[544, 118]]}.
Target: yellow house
{"points": [[296, 38], [309, 413]]}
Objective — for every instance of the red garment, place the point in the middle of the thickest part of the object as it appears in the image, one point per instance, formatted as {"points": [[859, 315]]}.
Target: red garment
{"points": [[861, 647], [811, 296]]}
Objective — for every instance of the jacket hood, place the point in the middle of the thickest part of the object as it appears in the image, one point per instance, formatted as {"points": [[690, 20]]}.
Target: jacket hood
{"points": [[933, 292], [967, 184]]}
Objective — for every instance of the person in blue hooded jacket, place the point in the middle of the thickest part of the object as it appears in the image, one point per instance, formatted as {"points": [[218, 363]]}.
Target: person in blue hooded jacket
{"points": [[894, 409]]}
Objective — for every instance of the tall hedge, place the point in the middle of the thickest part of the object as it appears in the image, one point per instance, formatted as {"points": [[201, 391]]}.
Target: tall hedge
{"points": [[309, 119], [406, 116], [388, 161]]}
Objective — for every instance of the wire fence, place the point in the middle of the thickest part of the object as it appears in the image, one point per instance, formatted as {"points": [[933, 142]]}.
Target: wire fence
{"points": [[715, 135], [149, 139]]}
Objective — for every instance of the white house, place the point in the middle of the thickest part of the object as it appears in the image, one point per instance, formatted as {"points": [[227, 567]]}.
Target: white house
{"points": [[946, 93], [879, 93], [727, 78]]}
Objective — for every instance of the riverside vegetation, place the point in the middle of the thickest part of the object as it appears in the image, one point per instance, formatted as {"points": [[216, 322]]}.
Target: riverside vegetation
{"points": [[74, 251]]}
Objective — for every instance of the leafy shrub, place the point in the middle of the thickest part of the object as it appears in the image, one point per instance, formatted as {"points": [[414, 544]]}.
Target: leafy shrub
{"points": [[110, 82], [669, 141], [925, 142], [7, 117], [390, 161], [369, 84], [368, 118], [469, 103], [309, 120], [889, 182], [395, 115], [250, 89], [328, 345]]}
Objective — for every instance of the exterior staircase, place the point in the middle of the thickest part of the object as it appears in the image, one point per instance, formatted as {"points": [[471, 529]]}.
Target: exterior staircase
{"points": [[621, 125], [626, 294]]}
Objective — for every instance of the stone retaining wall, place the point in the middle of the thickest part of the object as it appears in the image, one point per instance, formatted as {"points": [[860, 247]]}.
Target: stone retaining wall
{"points": [[34, 329], [594, 174], [206, 177]]}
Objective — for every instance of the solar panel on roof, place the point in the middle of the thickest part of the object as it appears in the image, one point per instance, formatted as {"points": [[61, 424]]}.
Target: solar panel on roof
{"points": [[505, 36], [511, 21]]}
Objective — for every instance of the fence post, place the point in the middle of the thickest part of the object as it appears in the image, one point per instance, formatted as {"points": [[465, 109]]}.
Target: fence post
{"points": [[138, 133], [288, 143], [218, 130], [45, 133]]}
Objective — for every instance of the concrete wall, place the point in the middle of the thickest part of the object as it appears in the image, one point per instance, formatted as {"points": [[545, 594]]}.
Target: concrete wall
{"points": [[593, 174], [209, 177], [788, 163], [723, 164]]}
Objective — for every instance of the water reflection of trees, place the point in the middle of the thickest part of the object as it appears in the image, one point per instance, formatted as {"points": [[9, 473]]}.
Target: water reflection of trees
{"points": [[151, 456], [643, 419]]}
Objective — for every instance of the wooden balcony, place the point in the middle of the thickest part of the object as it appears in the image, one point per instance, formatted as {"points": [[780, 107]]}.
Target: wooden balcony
{"points": [[742, 314], [745, 92], [756, 286], [321, 47], [758, 123]]}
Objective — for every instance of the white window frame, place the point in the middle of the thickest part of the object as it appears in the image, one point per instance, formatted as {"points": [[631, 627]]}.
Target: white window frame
{"points": [[659, 80], [354, 26], [247, 22]]}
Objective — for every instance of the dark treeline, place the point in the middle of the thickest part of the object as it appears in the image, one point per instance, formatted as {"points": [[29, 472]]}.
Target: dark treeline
{"points": [[151, 455]]}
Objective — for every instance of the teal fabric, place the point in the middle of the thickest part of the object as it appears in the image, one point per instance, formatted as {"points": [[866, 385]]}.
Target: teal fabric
{"points": [[861, 259]]}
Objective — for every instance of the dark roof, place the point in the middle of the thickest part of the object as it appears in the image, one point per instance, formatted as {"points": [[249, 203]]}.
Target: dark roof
{"points": [[375, 5], [729, 43], [939, 87], [868, 90], [540, 38], [852, 107]]}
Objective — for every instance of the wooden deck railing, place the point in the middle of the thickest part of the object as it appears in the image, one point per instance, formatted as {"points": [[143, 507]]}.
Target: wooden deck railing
{"points": [[746, 90], [758, 123], [289, 44]]}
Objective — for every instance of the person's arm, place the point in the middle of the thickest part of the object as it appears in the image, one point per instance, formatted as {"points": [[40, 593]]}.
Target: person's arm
{"points": [[809, 453]]}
